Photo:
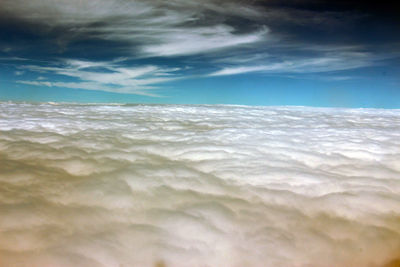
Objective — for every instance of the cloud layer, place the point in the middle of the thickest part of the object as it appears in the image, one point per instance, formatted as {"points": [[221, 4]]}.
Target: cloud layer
{"points": [[88, 185]]}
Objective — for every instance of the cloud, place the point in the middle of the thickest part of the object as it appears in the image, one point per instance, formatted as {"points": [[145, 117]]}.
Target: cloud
{"points": [[86, 185], [104, 76], [19, 73], [229, 37], [201, 40], [88, 86], [148, 28], [321, 63]]}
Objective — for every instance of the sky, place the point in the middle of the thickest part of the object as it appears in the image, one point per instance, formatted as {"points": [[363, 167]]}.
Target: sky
{"points": [[248, 52]]}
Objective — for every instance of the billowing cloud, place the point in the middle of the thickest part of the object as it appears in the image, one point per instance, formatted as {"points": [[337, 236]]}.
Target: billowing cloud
{"points": [[132, 185]]}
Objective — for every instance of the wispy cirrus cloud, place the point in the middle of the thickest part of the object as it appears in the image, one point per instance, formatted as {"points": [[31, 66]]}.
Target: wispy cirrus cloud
{"points": [[104, 76], [325, 62], [19, 73], [145, 28], [202, 38]]}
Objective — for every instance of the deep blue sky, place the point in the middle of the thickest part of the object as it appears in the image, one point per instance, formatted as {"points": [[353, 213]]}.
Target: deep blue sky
{"points": [[318, 53]]}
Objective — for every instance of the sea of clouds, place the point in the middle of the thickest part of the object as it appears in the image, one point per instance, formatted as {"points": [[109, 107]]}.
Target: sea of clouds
{"points": [[181, 186]]}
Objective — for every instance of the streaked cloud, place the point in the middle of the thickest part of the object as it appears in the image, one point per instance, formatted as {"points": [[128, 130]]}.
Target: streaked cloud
{"points": [[87, 44], [201, 40], [18, 72], [321, 63], [104, 76], [151, 28]]}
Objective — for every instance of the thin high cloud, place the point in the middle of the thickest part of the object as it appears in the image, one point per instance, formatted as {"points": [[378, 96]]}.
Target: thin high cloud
{"points": [[104, 76], [156, 28], [164, 39], [201, 40], [149, 28], [324, 63]]}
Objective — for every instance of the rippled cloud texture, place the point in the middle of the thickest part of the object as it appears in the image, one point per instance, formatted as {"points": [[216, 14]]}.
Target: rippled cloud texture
{"points": [[153, 185]]}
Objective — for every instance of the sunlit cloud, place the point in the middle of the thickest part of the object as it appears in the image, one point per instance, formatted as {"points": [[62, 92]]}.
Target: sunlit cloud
{"points": [[134, 46], [209, 185], [104, 76], [152, 28], [324, 63], [19, 73], [201, 40]]}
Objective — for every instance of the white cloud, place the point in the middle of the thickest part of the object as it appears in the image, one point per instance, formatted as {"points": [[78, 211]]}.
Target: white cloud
{"points": [[154, 12], [198, 185], [153, 28], [114, 78], [239, 70], [200, 40], [324, 63], [19, 73], [179, 28], [88, 86]]}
